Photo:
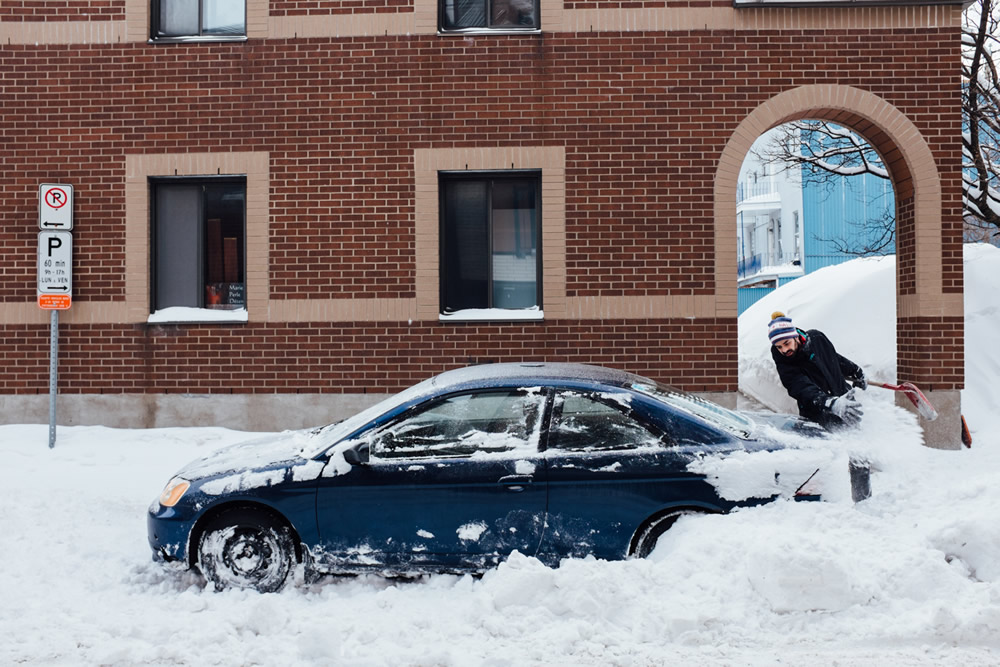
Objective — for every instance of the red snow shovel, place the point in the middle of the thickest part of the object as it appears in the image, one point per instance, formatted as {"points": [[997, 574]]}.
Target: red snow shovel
{"points": [[916, 397]]}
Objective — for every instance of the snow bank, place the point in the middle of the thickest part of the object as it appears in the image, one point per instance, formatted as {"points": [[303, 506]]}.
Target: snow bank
{"points": [[854, 303], [910, 577], [981, 397]]}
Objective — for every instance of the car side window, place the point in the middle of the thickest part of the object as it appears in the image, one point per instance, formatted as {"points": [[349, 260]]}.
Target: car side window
{"points": [[584, 422], [465, 425]]}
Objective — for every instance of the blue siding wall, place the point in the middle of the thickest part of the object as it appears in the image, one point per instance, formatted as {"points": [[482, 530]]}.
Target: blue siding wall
{"points": [[748, 296], [832, 212], [838, 211]]}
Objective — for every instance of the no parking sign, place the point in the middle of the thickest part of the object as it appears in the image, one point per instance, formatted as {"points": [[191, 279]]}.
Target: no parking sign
{"points": [[55, 207]]}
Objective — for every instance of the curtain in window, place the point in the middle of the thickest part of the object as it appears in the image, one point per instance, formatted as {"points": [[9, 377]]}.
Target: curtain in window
{"points": [[179, 17], [178, 246], [223, 17], [514, 256], [464, 14], [466, 246]]}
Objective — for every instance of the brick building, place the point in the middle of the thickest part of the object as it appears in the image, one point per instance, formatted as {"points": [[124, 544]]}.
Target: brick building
{"points": [[283, 207]]}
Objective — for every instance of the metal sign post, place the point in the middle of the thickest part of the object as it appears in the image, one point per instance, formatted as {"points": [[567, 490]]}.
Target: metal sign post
{"points": [[55, 274], [53, 374]]}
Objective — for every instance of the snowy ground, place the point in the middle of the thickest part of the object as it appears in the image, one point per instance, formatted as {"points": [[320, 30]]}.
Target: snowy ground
{"points": [[909, 577]]}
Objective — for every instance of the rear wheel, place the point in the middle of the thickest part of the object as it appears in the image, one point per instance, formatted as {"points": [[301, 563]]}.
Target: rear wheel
{"points": [[244, 548], [654, 530]]}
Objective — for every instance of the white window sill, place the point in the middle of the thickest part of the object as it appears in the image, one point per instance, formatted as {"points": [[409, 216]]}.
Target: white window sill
{"points": [[184, 315], [189, 39], [467, 32], [493, 314]]}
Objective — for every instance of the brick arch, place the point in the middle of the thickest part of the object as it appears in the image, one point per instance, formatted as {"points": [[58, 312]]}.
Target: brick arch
{"points": [[907, 156], [929, 297]]}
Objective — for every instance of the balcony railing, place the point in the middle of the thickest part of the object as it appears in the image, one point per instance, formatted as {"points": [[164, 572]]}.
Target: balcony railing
{"points": [[749, 190]]}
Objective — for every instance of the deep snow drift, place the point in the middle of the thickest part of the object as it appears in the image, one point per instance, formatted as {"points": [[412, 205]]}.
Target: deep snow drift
{"points": [[908, 577]]}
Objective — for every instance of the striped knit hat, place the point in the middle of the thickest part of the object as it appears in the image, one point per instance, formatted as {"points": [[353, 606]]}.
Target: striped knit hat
{"points": [[780, 328]]}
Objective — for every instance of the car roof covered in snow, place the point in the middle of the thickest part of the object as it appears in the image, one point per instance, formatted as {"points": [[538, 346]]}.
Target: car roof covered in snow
{"points": [[532, 373]]}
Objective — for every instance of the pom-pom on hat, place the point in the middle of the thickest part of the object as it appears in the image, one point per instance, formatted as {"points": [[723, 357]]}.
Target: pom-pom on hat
{"points": [[780, 328]]}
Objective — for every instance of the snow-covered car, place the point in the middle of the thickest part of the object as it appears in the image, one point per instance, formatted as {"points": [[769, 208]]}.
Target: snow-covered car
{"points": [[455, 473]]}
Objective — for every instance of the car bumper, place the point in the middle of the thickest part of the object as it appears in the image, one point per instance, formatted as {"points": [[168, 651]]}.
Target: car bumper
{"points": [[168, 533]]}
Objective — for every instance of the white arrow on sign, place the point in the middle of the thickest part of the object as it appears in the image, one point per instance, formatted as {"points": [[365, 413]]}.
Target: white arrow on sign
{"points": [[55, 263], [55, 206]]}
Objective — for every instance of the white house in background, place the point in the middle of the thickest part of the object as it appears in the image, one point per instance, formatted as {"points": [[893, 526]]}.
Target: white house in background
{"points": [[769, 218]]}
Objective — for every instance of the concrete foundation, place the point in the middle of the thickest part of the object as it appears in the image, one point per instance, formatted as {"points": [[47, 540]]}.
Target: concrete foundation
{"points": [[244, 412], [945, 432]]}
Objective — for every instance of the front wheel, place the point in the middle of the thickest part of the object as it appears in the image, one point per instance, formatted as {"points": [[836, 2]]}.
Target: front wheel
{"points": [[246, 549], [647, 539]]}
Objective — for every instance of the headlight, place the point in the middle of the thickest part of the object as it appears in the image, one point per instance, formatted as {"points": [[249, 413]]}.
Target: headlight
{"points": [[173, 491]]}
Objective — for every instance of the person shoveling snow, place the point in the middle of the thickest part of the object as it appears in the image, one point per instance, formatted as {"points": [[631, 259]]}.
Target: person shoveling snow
{"points": [[815, 375]]}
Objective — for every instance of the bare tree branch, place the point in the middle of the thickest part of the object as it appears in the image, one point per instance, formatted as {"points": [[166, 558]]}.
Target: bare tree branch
{"points": [[820, 153]]}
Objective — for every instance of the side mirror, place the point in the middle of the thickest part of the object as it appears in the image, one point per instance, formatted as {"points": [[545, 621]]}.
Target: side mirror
{"points": [[359, 455]]}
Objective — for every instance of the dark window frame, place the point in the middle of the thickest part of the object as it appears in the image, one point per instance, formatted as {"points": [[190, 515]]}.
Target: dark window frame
{"points": [[156, 33], [443, 28], [491, 176], [153, 183]]}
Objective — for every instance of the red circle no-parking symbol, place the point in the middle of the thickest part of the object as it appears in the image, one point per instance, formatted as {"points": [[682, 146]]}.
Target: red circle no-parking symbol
{"points": [[56, 197]]}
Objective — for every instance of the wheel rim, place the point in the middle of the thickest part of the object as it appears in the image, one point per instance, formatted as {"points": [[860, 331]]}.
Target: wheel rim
{"points": [[248, 553], [246, 557]]}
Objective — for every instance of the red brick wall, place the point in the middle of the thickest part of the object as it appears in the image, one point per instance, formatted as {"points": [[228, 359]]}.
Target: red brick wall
{"points": [[62, 10], [643, 118], [350, 357], [317, 7], [636, 4], [931, 352]]}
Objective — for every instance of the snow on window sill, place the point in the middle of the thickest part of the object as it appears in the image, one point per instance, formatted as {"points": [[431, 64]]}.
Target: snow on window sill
{"points": [[487, 314], [185, 315]]}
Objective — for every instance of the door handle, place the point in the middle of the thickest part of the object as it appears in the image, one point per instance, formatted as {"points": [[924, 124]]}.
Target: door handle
{"points": [[515, 482]]}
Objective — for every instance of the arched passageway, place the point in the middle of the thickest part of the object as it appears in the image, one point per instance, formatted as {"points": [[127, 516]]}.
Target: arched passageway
{"points": [[929, 302]]}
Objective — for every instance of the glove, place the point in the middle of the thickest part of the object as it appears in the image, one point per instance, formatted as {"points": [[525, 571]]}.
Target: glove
{"points": [[860, 381], [845, 407]]}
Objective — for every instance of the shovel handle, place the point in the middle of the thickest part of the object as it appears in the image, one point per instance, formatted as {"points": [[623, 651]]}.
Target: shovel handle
{"points": [[886, 385]]}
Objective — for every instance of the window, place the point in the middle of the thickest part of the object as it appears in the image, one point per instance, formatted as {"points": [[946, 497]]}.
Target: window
{"points": [[466, 425], [585, 423], [490, 240], [215, 19], [456, 15], [199, 243]]}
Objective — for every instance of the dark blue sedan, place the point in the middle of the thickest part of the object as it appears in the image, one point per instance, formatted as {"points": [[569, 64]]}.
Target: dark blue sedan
{"points": [[453, 474]]}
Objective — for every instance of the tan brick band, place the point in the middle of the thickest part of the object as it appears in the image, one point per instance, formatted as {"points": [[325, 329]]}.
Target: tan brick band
{"points": [[550, 160]]}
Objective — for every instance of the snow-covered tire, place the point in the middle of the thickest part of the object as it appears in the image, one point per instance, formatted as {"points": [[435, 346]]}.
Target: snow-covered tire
{"points": [[244, 548], [647, 539]]}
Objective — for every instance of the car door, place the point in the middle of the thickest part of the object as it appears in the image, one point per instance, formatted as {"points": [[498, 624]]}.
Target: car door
{"points": [[452, 484], [607, 470]]}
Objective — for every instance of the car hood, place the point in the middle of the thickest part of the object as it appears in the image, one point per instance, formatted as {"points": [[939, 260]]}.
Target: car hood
{"points": [[279, 450], [789, 424]]}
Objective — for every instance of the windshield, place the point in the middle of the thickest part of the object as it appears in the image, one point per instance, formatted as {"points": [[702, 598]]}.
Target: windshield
{"points": [[733, 422], [334, 433]]}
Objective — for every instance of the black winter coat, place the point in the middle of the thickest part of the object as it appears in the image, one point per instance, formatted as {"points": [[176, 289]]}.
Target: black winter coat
{"points": [[814, 374]]}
